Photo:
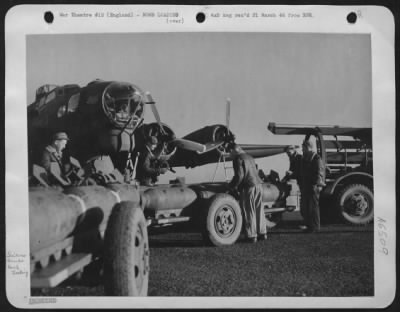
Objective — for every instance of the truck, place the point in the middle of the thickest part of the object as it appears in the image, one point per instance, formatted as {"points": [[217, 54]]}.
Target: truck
{"points": [[347, 155]]}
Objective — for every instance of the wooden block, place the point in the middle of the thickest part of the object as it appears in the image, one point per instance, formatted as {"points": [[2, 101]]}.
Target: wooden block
{"points": [[59, 271]]}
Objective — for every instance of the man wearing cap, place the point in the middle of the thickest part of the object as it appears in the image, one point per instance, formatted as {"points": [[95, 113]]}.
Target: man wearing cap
{"points": [[53, 153], [295, 164], [312, 177], [149, 167], [248, 183]]}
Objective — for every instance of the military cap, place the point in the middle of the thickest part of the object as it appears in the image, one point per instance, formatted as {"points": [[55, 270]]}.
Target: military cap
{"points": [[60, 136]]}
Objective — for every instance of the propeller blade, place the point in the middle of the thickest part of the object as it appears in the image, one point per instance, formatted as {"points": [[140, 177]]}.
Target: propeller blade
{"points": [[213, 146], [189, 145], [228, 113], [154, 110]]}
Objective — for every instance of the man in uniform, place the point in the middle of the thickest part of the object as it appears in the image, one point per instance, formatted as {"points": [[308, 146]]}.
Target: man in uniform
{"points": [[149, 167], [295, 164], [312, 177], [53, 153], [248, 183]]}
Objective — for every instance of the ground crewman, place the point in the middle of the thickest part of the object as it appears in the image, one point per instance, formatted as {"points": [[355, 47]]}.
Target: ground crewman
{"points": [[248, 183], [312, 180], [149, 166], [53, 153]]}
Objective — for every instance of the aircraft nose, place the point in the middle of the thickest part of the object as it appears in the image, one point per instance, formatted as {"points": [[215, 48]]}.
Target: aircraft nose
{"points": [[115, 141], [123, 104]]}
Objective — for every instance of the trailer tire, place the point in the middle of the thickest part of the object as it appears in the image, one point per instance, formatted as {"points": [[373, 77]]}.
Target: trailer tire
{"points": [[355, 204], [126, 252], [222, 221]]}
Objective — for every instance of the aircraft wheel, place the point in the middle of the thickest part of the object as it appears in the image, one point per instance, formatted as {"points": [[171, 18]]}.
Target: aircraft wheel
{"points": [[355, 204], [223, 220], [126, 252]]}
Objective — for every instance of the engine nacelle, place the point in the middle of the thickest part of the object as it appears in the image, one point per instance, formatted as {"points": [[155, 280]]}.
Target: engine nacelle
{"points": [[214, 133], [164, 136]]}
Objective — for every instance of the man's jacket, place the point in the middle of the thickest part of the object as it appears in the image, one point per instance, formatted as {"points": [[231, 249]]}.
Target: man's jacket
{"points": [[50, 155], [147, 168], [295, 166], [246, 174], [312, 172]]}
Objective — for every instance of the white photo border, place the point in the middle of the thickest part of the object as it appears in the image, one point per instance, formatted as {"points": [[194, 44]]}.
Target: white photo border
{"points": [[376, 21]]}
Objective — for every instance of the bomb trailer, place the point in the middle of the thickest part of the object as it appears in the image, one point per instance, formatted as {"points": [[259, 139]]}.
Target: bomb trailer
{"points": [[73, 225]]}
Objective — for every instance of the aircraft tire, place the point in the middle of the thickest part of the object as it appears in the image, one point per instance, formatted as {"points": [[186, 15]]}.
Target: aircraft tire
{"points": [[222, 221], [355, 204], [126, 252]]}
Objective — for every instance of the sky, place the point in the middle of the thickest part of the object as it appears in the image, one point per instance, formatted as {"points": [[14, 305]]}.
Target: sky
{"points": [[298, 78]]}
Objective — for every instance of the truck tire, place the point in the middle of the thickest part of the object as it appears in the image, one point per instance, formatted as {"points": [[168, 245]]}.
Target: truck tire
{"points": [[222, 221], [355, 204], [126, 252]]}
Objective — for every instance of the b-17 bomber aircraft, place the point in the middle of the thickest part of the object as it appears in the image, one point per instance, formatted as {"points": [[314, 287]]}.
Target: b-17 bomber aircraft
{"points": [[107, 118]]}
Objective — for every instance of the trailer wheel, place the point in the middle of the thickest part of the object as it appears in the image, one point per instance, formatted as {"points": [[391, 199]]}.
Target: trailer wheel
{"points": [[126, 252], [223, 220], [356, 204]]}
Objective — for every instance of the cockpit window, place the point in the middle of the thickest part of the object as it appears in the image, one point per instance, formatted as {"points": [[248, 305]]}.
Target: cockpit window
{"points": [[73, 102], [71, 107], [123, 104]]}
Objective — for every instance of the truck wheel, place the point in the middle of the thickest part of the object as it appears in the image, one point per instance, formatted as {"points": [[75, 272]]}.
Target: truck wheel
{"points": [[223, 220], [356, 204], [273, 219], [126, 252]]}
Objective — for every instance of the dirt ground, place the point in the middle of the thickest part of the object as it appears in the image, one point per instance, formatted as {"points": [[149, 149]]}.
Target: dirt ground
{"points": [[338, 261]]}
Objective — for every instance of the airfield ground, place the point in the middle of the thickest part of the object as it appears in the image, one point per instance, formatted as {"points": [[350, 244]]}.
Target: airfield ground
{"points": [[338, 261]]}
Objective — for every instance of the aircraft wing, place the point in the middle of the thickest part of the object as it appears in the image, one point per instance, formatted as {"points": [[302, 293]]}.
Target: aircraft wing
{"points": [[191, 159], [259, 151], [292, 129]]}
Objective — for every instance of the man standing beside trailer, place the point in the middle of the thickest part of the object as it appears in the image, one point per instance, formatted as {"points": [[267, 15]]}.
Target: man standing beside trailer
{"points": [[312, 180], [248, 183]]}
